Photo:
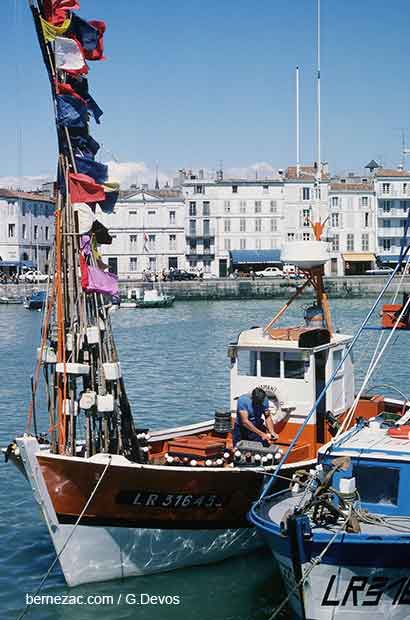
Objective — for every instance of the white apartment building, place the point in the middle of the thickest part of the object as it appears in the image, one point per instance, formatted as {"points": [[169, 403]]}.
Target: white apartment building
{"points": [[392, 189], [352, 226], [148, 232], [224, 215], [304, 202], [26, 230]]}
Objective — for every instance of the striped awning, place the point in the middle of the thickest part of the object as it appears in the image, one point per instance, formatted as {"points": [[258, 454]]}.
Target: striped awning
{"points": [[358, 257]]}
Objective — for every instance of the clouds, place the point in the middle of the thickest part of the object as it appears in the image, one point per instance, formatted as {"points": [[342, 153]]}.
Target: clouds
{"points": [[138, 172]]}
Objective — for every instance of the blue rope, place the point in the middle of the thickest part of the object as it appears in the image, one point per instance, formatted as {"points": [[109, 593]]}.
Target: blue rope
{"points": [[330, 381]]}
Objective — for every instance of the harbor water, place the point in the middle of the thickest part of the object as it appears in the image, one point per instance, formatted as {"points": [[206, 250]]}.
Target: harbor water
{"points": [[176, 369]]}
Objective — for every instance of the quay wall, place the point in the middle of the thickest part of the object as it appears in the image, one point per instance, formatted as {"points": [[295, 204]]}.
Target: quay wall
{"points": [[243, 288]]}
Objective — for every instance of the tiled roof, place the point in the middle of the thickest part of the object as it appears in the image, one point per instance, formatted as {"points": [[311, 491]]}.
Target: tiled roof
{"points": [[305, 172], [11, 193], [383, 172], [351, 187]]}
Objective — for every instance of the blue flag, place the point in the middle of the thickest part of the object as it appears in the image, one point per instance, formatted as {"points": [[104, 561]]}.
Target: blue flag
{"points": [[95, 170], [84, 32], [71, 112]]}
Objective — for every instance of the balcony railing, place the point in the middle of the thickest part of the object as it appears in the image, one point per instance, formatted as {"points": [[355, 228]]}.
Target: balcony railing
{"points": [[393, 193]]}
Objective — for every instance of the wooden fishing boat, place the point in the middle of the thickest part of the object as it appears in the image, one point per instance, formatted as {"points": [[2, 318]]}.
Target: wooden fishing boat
{"points": [[119, 500]]}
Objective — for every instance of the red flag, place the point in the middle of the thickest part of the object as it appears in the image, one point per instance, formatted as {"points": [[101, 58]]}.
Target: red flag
{"points": [[84, 189], [98, 52], [55, 11], [67, 89]]}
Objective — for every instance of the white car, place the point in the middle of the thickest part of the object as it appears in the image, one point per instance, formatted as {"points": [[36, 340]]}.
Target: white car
{"points": [[382, 271], [270, 272], [33, 276], [207, 275]]}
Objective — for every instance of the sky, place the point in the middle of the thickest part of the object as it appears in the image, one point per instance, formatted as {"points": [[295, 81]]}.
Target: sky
{"points": [[193, 83]]}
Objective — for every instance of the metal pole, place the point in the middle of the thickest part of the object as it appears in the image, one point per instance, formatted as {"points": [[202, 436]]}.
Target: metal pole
{"points": [[319, 164], [297, 125]]}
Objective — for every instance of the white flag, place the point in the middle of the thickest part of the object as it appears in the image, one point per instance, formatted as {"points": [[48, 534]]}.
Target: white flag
{"points": [[68, 54]]}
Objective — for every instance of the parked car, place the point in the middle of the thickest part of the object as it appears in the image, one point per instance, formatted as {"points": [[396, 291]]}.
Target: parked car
{"points": [[382, 271], [181, 274], [33, 276], [270, 272], [207, 275]]}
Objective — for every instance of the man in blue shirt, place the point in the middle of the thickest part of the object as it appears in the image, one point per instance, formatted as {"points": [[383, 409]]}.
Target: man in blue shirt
{"points": [[253, 421]]}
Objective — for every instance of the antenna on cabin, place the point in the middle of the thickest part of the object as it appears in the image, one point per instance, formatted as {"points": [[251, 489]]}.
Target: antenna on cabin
{"points": [[297, 125]]}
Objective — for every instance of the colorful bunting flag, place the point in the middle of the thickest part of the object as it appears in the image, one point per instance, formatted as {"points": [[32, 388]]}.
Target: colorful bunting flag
{"points": [[71, 112], [84, 189], [85, 33], [112, 191], [80, 85], [94, 169], [67, 89], [68, 54], [83, 143], [56, 10], [51, 32], [98, 52]]}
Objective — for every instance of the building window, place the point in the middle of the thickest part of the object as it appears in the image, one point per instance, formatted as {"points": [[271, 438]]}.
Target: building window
{"points": [[151, 241], [365, 242], [364, 201], [227, 206], [242, 206], [207, 230], [405, 185], [192, 209], [242, 225], [227, 244], [133, 263], [386, 245], [150, 212], [206, 209], [386, 206], [386, 187], [133, 240], [306, 193], [132, 213], [192, 228], [335, 201], [265, 188], [46, 233], [273, 225], [386, 223], [366, 219], [291, 236], [258, 244], [335, 243], [234, 189], [23, 208], [306, 236], [227, 225], [273, 206], [152, 263], [199, 189], [172, 242], [350, 242], [306, 217], [242, 244], [10, 210], [35, 232], [172, 217], [12, 230], [258, 225], [24, 231], [335, 220], [258, 206]]}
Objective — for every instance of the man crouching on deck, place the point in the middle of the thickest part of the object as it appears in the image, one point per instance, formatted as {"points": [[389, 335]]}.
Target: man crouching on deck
{"points": [[253, 420]]}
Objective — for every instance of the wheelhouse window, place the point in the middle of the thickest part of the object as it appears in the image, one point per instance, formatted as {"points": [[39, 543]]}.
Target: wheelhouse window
{"points": [[270, 364], [248, 363], [377, 485], [294, 366]]}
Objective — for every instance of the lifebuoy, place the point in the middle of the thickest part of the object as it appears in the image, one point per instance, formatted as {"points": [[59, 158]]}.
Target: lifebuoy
{"points": [[399, 432]]}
